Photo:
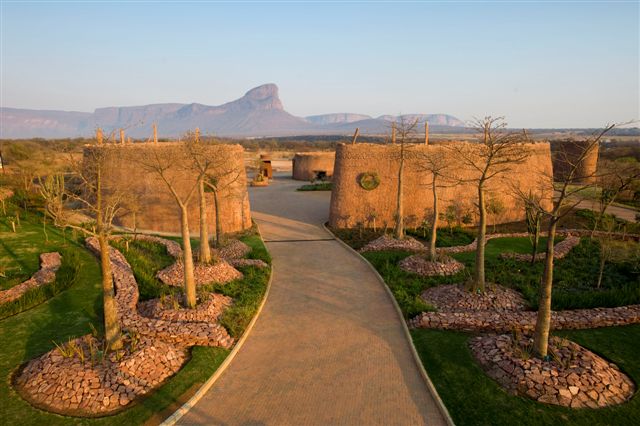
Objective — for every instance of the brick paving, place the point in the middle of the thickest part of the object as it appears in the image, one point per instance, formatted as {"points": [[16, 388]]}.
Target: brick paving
{"points": [[329, 347]]}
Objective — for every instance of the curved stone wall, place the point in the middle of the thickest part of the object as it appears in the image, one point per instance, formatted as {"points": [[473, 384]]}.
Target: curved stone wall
{"points": [[156, 209], [565, 154], [351, 204], [306, 164]]}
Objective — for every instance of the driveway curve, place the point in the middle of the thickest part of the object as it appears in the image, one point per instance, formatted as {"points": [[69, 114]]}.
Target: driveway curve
{"points": [[328, 347]]}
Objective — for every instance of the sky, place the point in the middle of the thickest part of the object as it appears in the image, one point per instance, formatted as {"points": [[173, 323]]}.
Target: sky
{"points": [[539, 64]]}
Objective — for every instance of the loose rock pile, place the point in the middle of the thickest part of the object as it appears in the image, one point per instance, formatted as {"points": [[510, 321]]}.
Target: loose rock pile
{"points": [[206, 311], [419, 264], [560, 250], [454, 298], [234, 249], [387, 242], [49, 265], [575, 377], [203, 273], [68, 385], [239, 263]]}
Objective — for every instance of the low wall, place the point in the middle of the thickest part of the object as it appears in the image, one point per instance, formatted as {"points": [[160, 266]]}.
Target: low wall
{"points": [[306, 164], [155, 208], [351, 204]]}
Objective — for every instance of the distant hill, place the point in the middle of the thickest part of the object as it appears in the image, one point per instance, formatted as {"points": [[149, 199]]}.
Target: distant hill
{"points": [[258, 113]]}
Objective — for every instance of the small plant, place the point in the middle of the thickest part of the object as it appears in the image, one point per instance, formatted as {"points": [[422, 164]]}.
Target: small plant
{"points": [[135, 340], [64, 350], [94, 330]]}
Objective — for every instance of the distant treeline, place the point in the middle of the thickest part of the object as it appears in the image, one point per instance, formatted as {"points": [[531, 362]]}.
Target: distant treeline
{"points": [[21, 149]]}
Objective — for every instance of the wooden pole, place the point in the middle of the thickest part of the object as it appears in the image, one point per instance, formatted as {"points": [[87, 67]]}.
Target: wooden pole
{"points": [[155, 133], [197, 134], [122, 136], [355, 136], [99, 136], [426, 133], [129, 139], [393, 132]]}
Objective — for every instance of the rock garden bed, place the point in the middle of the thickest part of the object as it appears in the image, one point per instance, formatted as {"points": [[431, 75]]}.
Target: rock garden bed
{"points": [[419, 264], [573, 377], [79, 379], [67, 380], [387, 242], [170, 308], [455, 298], [219, 272]]}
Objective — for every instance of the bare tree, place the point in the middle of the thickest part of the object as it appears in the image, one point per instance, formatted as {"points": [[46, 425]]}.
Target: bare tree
{"points": [[95, 197], [562, 204], [436, 164], [496, 153], [168, 162], [614, 177], [219, 175], [401, 131]]}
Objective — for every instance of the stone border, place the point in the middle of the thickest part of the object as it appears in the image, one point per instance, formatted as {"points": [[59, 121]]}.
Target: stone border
{"points": [[416, 358], [504, 322], [49, 265], [184, 409]]}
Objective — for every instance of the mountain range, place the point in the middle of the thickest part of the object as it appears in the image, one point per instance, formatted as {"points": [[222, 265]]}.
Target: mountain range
{"points": [[258, 113]]}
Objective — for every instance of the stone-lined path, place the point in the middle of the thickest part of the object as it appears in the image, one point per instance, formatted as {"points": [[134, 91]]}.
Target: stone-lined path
{"points": [[329, 347]]}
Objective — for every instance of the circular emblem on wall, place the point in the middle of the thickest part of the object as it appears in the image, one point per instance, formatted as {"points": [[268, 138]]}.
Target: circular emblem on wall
{"points": [[369, 180]]}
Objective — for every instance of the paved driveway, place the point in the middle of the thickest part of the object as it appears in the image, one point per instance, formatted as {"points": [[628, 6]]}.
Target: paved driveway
{"points": [[329, 347]]}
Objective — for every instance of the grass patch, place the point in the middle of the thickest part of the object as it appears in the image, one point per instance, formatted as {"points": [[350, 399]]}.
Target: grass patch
{"points": [[146, 259], [472, 398], [574, 280], [406, 287], [322, 186]]}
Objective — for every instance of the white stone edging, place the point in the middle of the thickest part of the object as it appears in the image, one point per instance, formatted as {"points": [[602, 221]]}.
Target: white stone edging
{"points": [[184, 409], [416, 357]]}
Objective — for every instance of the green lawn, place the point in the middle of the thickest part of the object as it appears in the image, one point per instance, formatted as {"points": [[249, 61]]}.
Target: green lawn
{"points": [[69, 313], [470, 395], [472, 398]]}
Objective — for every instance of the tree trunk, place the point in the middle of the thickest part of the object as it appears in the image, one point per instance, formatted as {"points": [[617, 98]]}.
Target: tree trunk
{"points": [[603, 259], [218, 221], [543, 321], [482, 233], [536, 240], [112, 332], [434, 223], [189, 281], [399, 229], [205, 252]]}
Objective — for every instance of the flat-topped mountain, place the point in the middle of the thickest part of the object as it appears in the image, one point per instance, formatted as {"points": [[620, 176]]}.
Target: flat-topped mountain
{"points": [[258, 113]]}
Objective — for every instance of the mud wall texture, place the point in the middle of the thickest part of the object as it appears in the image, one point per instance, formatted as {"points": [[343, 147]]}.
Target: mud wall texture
{"points": [[152, 205], [352, 205], [566, 154], [306, 164]]}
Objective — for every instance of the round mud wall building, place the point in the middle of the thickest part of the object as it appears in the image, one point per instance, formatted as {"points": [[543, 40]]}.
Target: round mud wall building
{"points": [[313, 165], [150, 205]]}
